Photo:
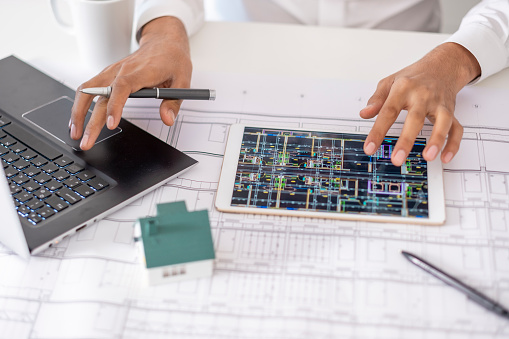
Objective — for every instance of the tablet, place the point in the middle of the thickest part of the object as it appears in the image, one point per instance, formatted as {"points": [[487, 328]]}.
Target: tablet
{"points": [[320, 174]]}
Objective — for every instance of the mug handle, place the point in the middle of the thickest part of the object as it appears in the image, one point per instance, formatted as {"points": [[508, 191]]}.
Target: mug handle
{"points": [[65, 24]]}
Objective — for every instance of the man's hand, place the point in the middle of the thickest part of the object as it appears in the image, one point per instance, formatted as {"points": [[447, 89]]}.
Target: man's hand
{"points": [[426, 89], [163, 60]]}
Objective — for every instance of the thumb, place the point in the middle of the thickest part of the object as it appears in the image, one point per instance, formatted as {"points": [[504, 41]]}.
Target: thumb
{"points": [[169, 110]]}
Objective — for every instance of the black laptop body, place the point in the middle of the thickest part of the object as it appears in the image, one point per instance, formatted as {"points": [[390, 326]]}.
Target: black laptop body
{"points": [[126, 164]]}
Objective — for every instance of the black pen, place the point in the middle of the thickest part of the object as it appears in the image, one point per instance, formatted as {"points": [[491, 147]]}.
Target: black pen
{"points": [[159, 93], [470, 292]]}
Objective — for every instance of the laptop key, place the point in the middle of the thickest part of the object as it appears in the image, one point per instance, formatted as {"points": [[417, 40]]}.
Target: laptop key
{"points": [[31, 171], [35, 204], [10, 171], [18, 148], [23, 210], [46, 212], [63, 161], [56, 203], [68, 196], [53, 185], [49, 168], [84, 190], [72, 182], [10, 157], [4, 121], [8, 141], [28, 155], [31, 186], [85, 175], [3, 150], [42, 178], [34, 217], [39, 161], [74, 168], [14, 188], [42, 194], [60, 175], [21, 164], [98, 184], [23, 197], [20, 179]]}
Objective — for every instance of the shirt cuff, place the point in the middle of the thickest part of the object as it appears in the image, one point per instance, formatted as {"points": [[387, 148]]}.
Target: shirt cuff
{"points": [[484, 45], [153, 9]]}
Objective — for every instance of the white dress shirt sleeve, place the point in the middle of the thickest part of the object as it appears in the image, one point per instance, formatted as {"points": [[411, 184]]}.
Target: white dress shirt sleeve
{"points": [[190, 12], [484, 31]]}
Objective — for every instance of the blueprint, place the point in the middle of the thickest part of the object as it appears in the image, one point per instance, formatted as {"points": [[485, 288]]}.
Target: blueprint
{"points": [[302, 170], [281, 277]]}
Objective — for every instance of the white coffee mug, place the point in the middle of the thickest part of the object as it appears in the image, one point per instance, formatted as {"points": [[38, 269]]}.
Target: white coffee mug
{"points": [[103, 28]]}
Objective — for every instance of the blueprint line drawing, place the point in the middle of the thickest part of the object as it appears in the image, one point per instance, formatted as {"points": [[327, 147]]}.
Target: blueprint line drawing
{"points": [[281, 277], [327, 172]]}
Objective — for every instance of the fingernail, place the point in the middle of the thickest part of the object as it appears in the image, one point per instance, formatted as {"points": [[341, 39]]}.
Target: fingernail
{"points": [[370, 148], [367, 106], [432, 152], [84, 141], [73, 131], [70, 122], [448, 157], [111, 122], [172, 114], [399, 157]]}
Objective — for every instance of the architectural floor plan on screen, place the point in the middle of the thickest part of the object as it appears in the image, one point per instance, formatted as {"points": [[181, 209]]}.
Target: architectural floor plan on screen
{"points": [[328, 172], [281, 277]]}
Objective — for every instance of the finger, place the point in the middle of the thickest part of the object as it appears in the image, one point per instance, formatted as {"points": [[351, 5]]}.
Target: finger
{"points": [[121, 89], [442, 122], [411, 128], [83, 101], [95, 124], [453, 141], [79, 110], [170, 108], [388, 114], [377, 100]]}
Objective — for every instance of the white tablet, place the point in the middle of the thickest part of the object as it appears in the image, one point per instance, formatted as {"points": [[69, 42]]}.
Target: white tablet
{"points": [[320, 174]]}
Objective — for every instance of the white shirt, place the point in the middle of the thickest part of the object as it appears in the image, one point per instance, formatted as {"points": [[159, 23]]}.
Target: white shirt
{"points": [[415, 15], [412, 15], [484, 31]]}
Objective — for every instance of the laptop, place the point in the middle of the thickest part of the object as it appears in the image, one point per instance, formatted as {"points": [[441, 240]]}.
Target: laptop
{"points": [[49, 188]]}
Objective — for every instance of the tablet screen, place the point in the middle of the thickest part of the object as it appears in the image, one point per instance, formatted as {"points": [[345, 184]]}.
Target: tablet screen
{"points": [[328, 172]]}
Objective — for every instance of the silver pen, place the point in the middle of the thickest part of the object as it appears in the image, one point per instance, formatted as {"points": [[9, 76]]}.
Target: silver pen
{"points": [[159, 93], [470, 292]]}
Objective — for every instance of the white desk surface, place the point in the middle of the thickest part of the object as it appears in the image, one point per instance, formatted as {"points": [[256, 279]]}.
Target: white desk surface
{"points": [[332, 279], [31, 33]]}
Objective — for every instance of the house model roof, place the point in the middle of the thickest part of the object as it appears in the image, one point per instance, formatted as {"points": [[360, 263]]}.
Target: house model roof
{"points": [[176, 236]]}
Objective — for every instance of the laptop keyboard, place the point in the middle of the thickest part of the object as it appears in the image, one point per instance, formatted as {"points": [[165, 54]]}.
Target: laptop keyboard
{"points": [[43, 181]]}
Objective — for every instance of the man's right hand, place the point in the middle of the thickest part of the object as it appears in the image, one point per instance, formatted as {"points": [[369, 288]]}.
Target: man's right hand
{"points": [[427, 89], [163, 60]]}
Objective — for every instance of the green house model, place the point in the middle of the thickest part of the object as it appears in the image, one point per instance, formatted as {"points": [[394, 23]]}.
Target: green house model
{"points": [[176, 244]]}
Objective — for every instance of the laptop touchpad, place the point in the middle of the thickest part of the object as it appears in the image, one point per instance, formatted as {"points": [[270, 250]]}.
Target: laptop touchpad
{"points": [[54, 119]]}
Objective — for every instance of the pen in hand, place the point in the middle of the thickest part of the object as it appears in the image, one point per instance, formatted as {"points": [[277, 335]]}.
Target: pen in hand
{"points": [[470, 292], [159, 93]]}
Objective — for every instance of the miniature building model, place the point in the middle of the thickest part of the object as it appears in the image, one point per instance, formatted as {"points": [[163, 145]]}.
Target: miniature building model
{"points": [[176, 244]]}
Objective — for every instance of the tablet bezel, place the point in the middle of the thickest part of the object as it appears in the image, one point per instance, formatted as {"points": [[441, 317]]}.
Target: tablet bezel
{"points": [[436, 199]]}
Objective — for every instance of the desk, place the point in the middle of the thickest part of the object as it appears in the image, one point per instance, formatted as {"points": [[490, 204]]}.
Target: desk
{"points": [[274, 277]]}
